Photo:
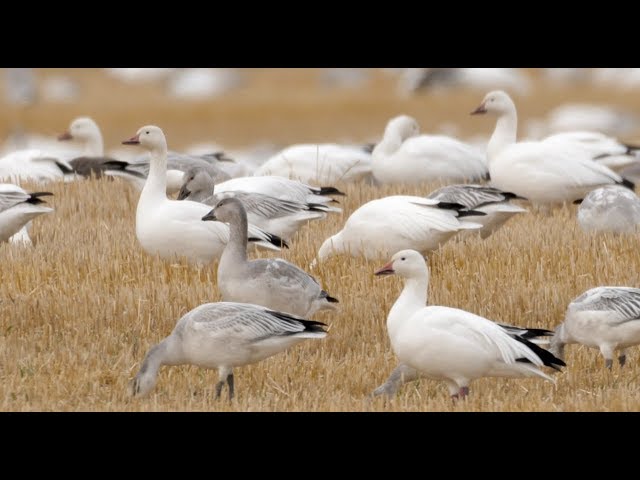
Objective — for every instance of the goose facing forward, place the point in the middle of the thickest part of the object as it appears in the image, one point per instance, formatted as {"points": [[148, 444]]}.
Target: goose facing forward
{"points": [[450, 344], [607, 318], [280, 217], [386, 225], [405, 157], [273, 283], [172, 228], [17, 208], [224, 335], [543, 172]]}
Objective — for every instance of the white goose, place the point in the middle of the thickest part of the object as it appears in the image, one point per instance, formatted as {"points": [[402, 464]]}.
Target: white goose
{"points": [[381, 227], [273, 282], [17, 209], [224, 335], [280, 217], [450, 344], [607, 318], [322, 163], [86, 131], [494, 203], [610, 209], [543, 172], [172, 228], [403, 156], [281, 187]]}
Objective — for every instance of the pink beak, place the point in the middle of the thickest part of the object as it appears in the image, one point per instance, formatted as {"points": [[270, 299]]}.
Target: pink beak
{"points": [[65, 136], [481, 109], [386, 270], [132, 141]]}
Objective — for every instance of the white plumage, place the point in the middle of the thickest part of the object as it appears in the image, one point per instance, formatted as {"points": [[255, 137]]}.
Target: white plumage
{"points": [[17, 208], [610, 209]]}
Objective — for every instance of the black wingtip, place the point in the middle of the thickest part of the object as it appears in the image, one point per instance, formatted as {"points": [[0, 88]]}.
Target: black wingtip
{"points": [[34, 198], [329, 298], [369, 147], [309, 325], [548, 358], [63, 168], [330, 191], [470, 213], [450, 206], [631, 148], [628, 184], [578, 201]]}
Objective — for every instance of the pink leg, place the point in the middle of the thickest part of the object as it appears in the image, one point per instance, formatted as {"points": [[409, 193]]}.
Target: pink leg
{"points": [[464, 391]]}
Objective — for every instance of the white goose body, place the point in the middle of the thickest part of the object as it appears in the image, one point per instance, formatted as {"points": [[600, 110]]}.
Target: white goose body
{"points": [[404, 157], [450, 344], [381, 227], [543, 172], [610, 209], [171, 228], [17, 209], [321, 163]]}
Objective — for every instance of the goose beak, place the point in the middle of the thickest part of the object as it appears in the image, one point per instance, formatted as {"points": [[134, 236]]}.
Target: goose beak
{"points": [[210, 216], [386, 270], [480, 110], [65, 136], [132, 141], [184, 193]]}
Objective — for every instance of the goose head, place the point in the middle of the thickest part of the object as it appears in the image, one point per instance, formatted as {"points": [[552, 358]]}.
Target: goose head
{"points": [[195, 179], [496, 103], [403, 126], [150, 138], [406, 264], [83, 129], [227, 210]]}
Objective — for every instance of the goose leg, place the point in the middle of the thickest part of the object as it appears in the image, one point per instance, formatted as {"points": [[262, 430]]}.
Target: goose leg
{"points": [[454, 390], [464, 391], [401, 374], [622, 358], [219, 386], [607, 353], [230, 383]]}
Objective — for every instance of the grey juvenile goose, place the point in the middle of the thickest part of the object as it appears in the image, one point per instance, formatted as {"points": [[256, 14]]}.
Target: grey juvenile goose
{"points": [[273, 283], [224, 335]]}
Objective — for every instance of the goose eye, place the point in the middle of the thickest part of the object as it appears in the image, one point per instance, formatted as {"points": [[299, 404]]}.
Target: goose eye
{"points": [[403, 259]]}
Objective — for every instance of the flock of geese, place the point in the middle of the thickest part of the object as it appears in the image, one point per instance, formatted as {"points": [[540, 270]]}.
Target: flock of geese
{"points": [[266, 303]]}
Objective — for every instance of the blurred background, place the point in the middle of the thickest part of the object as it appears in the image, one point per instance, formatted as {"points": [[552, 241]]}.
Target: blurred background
{"points": [[255, 112]]}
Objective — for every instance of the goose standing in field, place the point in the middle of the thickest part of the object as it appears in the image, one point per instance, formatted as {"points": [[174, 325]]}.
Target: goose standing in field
{"points": [[273, 282], [450, 344], [543, 172], [381, 227], [282, 188], [94, 162], [280, 217], [175, 228], [403, 374], [405, 157], [224, 335], [494, 203], [17, 209], [321, 163], [610, 209], [607, 318]]}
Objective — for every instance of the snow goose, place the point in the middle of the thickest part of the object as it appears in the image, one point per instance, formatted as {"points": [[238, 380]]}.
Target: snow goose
{"points": [[94, 162], [273, 282], [612, 208], [280, 187], [321, 163], [170, 227], [386, 225], [224, 335], [543, 172], [17, 208], [493, 202], [607, 318], [450, 344], [403, 156], [403, 374], [280, 217]]}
